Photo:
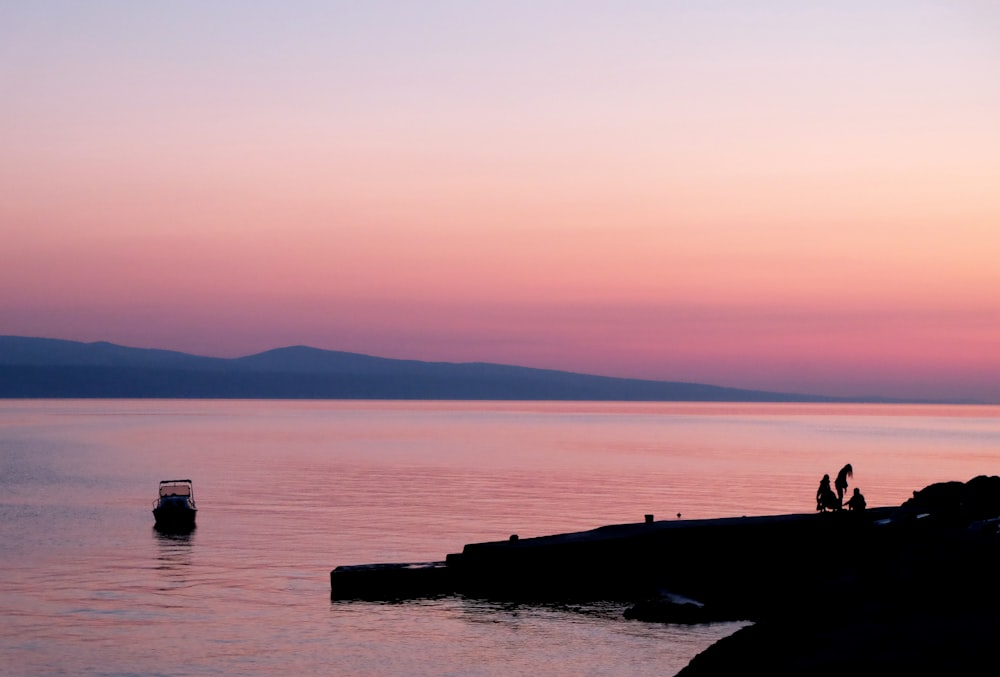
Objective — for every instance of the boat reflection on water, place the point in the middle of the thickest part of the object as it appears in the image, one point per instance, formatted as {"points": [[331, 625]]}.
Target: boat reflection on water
{"points": [[175, 535], [173, 557]]}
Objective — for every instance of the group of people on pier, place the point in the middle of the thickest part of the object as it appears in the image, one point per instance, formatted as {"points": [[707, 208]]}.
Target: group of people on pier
{"points": [[826, 499]]}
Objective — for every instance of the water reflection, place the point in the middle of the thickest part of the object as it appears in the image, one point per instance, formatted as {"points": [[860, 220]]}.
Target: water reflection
{"points": [[174, 553], [474, 636], [175, 533], [491, 611]]}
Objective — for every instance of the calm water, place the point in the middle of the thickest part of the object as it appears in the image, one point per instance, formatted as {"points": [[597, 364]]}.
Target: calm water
{"points": [[289, 490]]}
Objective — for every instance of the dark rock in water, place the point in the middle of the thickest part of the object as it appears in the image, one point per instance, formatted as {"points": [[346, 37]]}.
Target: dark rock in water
{"points": [[669, 608]]}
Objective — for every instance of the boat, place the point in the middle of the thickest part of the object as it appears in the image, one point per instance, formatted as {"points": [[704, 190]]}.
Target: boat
{"points": [[174, 509]]}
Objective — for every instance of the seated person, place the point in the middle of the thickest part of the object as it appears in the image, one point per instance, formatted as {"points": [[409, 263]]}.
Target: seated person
{"points": [[825, 498], [857, 501]]}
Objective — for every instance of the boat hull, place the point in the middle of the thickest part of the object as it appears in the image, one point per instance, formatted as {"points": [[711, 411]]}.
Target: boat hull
{"points": [[174, 515]]}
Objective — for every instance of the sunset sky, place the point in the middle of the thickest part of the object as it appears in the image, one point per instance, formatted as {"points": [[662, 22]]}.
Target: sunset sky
{"points": [[788, 195]]}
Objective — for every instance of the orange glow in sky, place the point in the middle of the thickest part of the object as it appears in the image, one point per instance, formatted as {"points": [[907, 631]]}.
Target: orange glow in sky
{"points": [[763, 195]]}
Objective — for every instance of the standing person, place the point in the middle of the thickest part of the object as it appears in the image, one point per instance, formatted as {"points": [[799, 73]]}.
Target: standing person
{"points": [[841, 483]]}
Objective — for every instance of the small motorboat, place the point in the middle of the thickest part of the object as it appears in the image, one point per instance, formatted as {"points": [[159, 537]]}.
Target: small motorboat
{"points": [[175, 510]]}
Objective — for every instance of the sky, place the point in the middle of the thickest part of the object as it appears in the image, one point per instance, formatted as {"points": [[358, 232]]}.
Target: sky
{"points": [[778, 195]]}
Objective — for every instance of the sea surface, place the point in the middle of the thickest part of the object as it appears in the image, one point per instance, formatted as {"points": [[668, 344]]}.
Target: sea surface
{"points": [[288, 490]]}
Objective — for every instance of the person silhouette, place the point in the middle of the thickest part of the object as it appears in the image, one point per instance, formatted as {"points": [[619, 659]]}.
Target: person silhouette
{"points": [[841, 483], [824, 495], [857, 502]]}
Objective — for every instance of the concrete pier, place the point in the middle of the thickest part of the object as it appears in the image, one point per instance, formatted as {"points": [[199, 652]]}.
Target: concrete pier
{"points": [[392, 581], [726, 559]]}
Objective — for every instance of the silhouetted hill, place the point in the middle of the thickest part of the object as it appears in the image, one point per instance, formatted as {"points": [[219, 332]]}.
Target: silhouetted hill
{"points": [[56, 352], [40, 367]]}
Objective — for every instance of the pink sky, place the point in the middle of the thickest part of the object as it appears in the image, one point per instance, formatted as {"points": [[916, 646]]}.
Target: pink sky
{"points": [[762, 195]]}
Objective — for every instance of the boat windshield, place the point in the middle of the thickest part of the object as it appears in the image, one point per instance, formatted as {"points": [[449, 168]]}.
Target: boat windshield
{"points": [[175, 489]]}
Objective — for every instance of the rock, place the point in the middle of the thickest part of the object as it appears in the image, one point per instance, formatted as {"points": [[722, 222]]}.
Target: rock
{"points": [[977, 499], [671, 608]]}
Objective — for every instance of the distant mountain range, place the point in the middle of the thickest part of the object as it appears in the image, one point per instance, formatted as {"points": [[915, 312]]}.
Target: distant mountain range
{"points": [[53, 368]]}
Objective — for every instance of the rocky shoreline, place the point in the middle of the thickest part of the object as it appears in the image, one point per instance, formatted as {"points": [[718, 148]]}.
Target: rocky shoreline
{"points": [[927, 605]]}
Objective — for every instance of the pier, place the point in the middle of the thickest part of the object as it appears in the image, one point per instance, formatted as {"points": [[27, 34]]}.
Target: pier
{"points": [[945, 538], [711, 560]]}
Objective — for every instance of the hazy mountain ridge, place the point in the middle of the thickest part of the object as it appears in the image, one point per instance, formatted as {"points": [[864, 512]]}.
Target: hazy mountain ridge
{"points": [[42, 367]]}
